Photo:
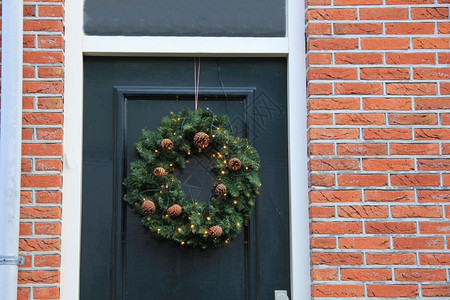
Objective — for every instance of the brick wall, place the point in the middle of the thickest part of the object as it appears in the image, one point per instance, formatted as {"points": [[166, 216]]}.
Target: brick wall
{"points": [[42, 134], [378, 84]]}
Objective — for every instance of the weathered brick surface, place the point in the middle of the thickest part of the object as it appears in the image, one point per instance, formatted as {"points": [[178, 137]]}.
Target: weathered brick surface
{"points": [[379, 75], [42, 119]]}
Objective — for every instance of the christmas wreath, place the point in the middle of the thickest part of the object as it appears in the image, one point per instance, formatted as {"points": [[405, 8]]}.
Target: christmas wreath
{"points": [[155, 194]]}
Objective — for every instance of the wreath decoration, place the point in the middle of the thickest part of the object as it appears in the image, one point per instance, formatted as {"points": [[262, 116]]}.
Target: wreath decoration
{"points": [[154, 192]]}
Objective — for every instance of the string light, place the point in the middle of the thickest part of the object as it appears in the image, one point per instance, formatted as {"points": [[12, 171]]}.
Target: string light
{"points": [[208, 218], [179, 229], [182, 243], [223, 172], [156, 151], [234, 202], [159, 230], [192, 226], [238, 224]]}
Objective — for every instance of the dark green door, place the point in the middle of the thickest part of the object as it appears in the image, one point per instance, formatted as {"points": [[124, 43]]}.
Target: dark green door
{"points": [[119, 257]]}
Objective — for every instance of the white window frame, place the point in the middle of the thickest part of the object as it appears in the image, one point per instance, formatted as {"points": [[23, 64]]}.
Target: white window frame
{"points": [[292, 47]]}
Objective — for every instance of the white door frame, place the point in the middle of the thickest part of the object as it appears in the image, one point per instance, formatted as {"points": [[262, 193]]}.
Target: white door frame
{"points": [[292, 47]]}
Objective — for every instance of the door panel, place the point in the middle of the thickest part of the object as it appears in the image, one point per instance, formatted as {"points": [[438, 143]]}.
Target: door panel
{"points": [[120, 259]]}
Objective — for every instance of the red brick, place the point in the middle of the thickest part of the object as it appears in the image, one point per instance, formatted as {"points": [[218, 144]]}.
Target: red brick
{"points": [[318, 29], [384, 73], [333, 103], [25, 229], [42, 149], [365, 180], [436, 290], [362, 149], [320, 119], [427, 196], [432, 134], [410, 58], [445, 149], [432, 103], [39, 25], [358, 88], [433, 164], [322, 180], [46, 293], [431, 43], [435, 259], [445, 88], [51, 42], [336, 259], [416, 211], [331, 14], [444, 28], [40, 212], [42, 118], [51, 11], [324, 274], [413, 119], [41, 57], [389, 196], [39, 245], [432, 73], [26, 165], [320, 89], [39, 277], [411, 88], [50, 134], [391, 258], [358, 28], [27, 134], [445, 119], [435, 227], [383, 13], [415, 180], [48, 165], [25, 197], [28, 41], [334, 164], [366, 274], [410, 28], [50, 103], [414, 149], [324, 196], [41, 181], [52, 228], [43, 261], [321, 212], [358, 58], [364, 243], [334, 290], [360, 119], [333, 134], [420, 275], [357, 2], [28, 103], [333, 44], [321, 149], [23, 293], [363, 211], [446, 179], [429, 13], [392, 290], [387, 103], [332, 74], [387, 133], [319, 59], [405, 2], [384, 43], [416, 243], [42, 87], [317, 2], [388, 164], [335, 227], [391, 227], [28, 72], [48, 197], [50, 72], [323, 243]]}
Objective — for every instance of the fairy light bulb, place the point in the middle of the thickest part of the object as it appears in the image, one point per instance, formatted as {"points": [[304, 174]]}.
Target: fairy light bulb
{"points": [[192, 226], [208, 218], [238, 224], [179, 229], [235, 202]]}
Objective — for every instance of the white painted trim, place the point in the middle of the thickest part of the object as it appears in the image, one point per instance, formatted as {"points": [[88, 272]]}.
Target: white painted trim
{"points": [[298, 155], [182, 46], [291, 47], [10, 142], [73, 145]]}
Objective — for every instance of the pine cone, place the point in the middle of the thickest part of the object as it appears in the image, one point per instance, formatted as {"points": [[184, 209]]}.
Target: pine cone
{"points": [[201, 140], [148, 207], [175, 210], [159, 172], [234, 164], [221, 189], [215, 231], [166, 144]]}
